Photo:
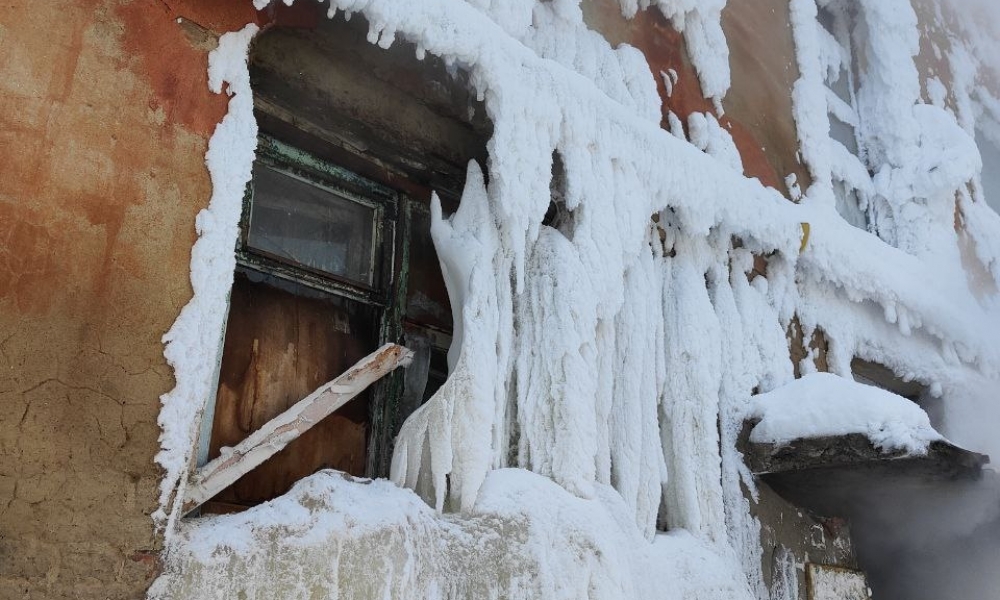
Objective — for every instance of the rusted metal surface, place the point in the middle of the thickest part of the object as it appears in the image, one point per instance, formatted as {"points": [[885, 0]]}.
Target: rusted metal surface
{"points": [[280, 431]]}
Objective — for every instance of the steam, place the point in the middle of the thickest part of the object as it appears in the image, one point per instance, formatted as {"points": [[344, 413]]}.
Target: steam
{"points": [[933, 543], [939, 540], [978, 24], [944, 541]]}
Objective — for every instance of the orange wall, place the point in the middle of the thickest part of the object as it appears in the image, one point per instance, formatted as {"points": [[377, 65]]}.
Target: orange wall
{"points": [[104, 118], [758, 107]]}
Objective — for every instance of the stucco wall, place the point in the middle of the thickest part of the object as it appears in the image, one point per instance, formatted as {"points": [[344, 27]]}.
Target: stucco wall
{"points": [[104, 121]]}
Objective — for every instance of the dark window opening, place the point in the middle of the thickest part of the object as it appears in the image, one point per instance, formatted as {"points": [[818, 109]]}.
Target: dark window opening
{"points": [[558, 215], [335, 256], [916, 391]]}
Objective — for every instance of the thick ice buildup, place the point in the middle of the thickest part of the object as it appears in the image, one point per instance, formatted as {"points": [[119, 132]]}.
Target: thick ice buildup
{"points": [[194, 341], [611, 359]]}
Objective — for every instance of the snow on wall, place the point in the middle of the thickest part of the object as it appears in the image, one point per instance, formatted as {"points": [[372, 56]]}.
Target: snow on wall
{"points": [[701, 23], [616, 354], [193, 344], [830, 583], [922, 156], [977, 109]]}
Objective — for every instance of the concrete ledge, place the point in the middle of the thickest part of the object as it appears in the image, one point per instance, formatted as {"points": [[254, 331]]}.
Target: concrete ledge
{"points": [[836, 475]]}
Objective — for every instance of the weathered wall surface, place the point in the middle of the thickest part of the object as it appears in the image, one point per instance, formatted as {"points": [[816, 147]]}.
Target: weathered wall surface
{"points": [[791, 537], [758, 106], [104, 119]]}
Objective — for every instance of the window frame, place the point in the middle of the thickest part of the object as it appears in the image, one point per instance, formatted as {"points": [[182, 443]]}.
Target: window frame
{"points": [[385, 202], [392, 229]]}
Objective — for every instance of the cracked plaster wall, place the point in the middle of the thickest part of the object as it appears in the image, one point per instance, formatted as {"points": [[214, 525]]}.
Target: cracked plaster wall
{"points": [[105, 115]]}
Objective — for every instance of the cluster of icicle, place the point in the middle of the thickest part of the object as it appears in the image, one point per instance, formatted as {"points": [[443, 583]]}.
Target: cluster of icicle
{"points": [[602, 349]]}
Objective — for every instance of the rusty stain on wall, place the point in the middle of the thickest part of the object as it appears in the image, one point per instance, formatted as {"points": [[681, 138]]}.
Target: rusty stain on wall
{"points": [[758, 110], [104, 118]]}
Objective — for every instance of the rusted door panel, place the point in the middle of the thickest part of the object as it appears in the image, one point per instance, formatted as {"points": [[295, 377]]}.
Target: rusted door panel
{"points": [[280, 345]]}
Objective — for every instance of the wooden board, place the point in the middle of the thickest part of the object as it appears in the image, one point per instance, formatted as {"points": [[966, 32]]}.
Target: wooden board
{"points": [[276, 434], [279, 347]]}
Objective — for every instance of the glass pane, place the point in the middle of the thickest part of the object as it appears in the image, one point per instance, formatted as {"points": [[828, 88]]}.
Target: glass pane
{"points": [[300, 223]]}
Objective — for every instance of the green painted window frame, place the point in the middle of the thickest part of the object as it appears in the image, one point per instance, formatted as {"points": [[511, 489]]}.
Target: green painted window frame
{"points": [[329, 177], [388, 292]]}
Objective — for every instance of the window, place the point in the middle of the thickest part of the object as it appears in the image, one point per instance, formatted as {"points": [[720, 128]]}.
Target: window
{"points": [[335, 256], [323, 278], [850, 176], [309, 226]]}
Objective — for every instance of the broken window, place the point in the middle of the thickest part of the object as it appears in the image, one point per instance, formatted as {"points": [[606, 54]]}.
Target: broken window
{"points": [[307, 303], [335, 257]]}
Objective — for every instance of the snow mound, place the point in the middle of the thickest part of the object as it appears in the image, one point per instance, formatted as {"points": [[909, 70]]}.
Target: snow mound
{"points": [[337, 536], [822, 404]]}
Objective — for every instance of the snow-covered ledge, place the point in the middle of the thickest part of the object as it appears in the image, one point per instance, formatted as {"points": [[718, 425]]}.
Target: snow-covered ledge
{"points": [[334, 535], [832, 445], [825, 405]]}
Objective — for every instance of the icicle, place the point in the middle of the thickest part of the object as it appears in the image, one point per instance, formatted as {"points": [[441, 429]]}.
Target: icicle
{"points": [[386, 38]]}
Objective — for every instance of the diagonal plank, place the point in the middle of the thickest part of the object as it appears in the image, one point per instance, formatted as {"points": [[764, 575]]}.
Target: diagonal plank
{"points": [[277, 433]]}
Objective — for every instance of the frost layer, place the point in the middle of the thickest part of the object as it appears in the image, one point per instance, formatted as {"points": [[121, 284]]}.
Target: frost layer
{"points": [[194, 341]]}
